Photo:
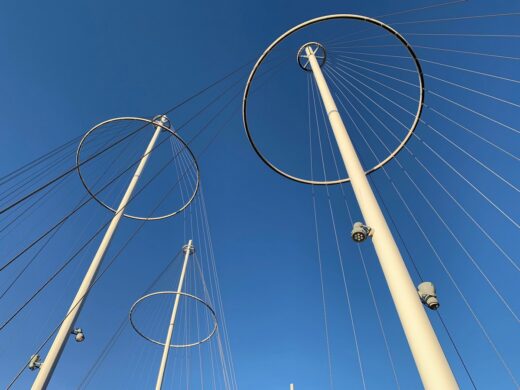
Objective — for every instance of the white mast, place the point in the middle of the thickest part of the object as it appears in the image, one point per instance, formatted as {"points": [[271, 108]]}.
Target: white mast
{"points": [[429, 357], [188, 249], [47, 367]]}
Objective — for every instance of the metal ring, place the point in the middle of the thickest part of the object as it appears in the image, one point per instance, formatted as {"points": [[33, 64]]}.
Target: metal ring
{"points": [[214, 315], [78, 166], [299, 27]]}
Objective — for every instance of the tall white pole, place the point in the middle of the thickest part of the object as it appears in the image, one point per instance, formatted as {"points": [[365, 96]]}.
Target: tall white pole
{"points": [[291, 386], [429, 357], [188, 250], [49, 364]]}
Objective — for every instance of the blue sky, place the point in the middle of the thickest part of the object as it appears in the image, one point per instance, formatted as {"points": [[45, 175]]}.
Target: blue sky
{"points": [[67, 66]]}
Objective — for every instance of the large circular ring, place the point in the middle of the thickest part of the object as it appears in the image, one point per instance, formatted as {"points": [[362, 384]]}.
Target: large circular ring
{"points": [[209, 336], [146, 121], [311, 22]]}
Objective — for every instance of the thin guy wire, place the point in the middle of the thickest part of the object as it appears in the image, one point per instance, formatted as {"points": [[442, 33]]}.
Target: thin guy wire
{"points": [[441, 262], [156, 146], [432, 109], [470, 257], [462, 207], [398, 13], [441, 158], [447, 272], [207, 295], [513, 262], [85, 245], [343, 66], [219, 302], [123, 324], [446, 329], [338, 247], [37, 175], [478, 161], [459, 18], [450, 100], [398, 231], [336, 44], [122, 139], [436, 63], [444, 49], [383, 333], [320, 262], [88, 289], [22, 271]]}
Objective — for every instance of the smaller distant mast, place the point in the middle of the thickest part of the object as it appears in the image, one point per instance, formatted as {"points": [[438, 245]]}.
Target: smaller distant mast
{"points": [[188, 249]]}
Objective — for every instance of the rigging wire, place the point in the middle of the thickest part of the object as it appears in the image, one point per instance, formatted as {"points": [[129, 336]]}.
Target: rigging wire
{"points": [[478, 161], [206, 295], [406, 34], [416, 268], [67, 172], [38, 174], [433, 109], [460, 205], [182, 195], [9, 262], [439, 5], [6, 178], [110, 263], [30, 210], [472, 71], [381, 199], [500, 210], [218, 294], [337, 246], [123, 324], [448, 193], [318, 247], [33, 258], [441, 262], [429, 7], [116, 336], [380, 321], [458, 18], [443, 49], [56, 273], [470, 257]]}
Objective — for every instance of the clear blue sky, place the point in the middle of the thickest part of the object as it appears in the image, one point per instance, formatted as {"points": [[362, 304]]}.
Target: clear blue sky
{"points": [[67, 66]]}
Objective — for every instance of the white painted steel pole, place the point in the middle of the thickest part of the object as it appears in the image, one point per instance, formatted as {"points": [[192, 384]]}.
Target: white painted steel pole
{"points": [[291, 387], [188, 250], [429, 357], [49, 364]]}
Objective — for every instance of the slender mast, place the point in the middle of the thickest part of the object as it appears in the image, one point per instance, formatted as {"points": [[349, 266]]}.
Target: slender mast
{"points": [[427, 352], [47, 367], [188, 249]]}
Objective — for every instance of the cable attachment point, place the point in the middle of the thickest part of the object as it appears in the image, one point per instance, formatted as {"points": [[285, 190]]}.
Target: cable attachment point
{"points": [[162, 120], [34, 363], [360, 232], [426, 291], [79, 336], [188, 248]]}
